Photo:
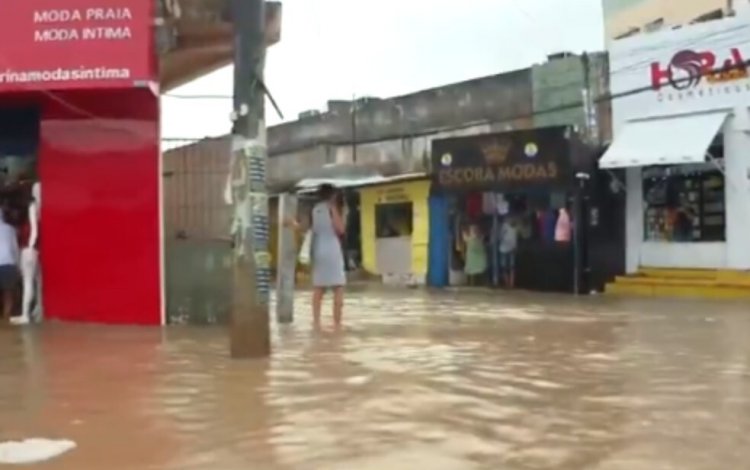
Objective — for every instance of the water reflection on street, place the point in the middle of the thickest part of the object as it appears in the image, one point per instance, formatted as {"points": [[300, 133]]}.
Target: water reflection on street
{"points": [[440, 381]]}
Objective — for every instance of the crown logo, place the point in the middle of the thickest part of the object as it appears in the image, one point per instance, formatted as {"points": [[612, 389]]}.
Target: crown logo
{"points": [[496, 151]]}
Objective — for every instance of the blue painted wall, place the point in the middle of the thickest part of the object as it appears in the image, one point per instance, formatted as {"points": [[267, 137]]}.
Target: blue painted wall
{"points": [[439, 249]]}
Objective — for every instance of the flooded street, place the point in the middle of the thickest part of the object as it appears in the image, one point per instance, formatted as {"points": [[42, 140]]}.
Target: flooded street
{"points": [[440, 381]]}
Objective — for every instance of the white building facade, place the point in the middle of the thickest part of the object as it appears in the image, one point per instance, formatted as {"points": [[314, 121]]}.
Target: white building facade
{"points": [[630, 17], [682, 132]]}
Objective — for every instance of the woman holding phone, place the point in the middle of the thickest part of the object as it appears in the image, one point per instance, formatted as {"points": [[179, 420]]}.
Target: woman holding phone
{"points": [[327, 256]]}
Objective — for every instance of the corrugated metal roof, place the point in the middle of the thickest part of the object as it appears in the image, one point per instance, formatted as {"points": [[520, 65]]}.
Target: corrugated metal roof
{"points": [[312, 184]]}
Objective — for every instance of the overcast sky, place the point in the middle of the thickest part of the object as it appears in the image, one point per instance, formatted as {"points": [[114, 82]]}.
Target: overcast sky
{"points": [[339, 48]]}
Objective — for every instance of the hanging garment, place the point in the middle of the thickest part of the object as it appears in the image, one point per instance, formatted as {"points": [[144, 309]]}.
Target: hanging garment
{"points": [[503, 206], [548, 224], [489, 203], [24, 235], [474, 205], [563, 228]]}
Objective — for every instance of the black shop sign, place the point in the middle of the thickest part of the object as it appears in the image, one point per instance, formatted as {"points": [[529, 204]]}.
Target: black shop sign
{"points": [[537, 158]]}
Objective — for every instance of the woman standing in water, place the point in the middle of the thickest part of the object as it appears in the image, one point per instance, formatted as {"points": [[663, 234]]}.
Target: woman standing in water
{"points": [[327, 256]]}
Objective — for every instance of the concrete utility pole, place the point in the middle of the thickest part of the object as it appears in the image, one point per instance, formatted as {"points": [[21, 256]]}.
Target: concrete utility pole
{"points": [[250, 329]]}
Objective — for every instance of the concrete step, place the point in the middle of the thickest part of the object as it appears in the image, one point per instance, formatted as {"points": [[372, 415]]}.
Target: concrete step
{"points": [[723, 274], [682, 290], [739, 282], [692, 283]]}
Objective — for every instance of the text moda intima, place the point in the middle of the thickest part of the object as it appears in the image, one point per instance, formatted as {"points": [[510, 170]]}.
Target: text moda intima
{"points": [[85, 34]]}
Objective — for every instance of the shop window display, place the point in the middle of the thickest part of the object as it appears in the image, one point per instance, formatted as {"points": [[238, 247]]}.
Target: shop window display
{"points": [[393, 242], [394, 220], [684, 203], [543, 218], [473, 221], [540, 218], [20, 197]]}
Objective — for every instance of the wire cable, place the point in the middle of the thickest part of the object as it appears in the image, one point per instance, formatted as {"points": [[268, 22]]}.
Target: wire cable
{"points": [[688, 44], [605, 98], [111, 124]]}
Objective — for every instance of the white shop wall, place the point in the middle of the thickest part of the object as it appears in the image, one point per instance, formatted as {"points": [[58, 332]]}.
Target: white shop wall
{"points": [[631, 62], [737, 147]]}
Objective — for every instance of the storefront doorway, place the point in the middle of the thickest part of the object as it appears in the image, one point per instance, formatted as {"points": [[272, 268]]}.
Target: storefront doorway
{"points": [[95, 157], [684, 138], [677, 194], [353, 237], [525, 180], [19, 143], [480, 217]]}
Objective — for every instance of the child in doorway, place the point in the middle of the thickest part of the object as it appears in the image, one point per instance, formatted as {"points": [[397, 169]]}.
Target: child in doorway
{"points": [[508, 245]]}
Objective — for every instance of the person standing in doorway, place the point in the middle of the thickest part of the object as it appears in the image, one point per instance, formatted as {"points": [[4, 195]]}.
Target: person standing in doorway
{"points": [[508, 245], [476, 255], [327, 255], [9, 258]]}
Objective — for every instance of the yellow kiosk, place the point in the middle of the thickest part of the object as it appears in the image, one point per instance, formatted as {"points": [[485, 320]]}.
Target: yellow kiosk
{"points": [[395, 230]]}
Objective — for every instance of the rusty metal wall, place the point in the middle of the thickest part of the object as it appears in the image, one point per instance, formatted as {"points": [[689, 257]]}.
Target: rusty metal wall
{"points": [[198, 254], [198, 279], [196, 231], [194, 178]]}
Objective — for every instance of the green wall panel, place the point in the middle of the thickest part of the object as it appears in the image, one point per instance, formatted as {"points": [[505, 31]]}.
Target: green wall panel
{"points": [[198, 282]]}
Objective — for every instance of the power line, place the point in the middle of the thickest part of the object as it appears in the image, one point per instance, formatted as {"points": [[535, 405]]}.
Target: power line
{"points": [[182, 139], [690, 43], [603, 98], [267, 92], [198, 97], [608, 97], [562, 86]]}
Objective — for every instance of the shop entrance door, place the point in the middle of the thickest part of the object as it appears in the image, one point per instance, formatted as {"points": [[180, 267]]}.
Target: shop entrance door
{"points": [[19, 143]]}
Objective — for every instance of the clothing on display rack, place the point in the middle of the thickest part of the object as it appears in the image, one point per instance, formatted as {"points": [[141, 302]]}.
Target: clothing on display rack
{"points": [[563, 227], [547, 222], [489, 203], [474, 205]]}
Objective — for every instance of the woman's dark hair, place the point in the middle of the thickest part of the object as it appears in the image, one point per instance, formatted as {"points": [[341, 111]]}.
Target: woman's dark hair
{"points": [[326, 192]]}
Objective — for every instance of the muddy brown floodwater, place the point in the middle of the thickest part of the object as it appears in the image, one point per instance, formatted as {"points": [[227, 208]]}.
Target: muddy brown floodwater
{"points": [[433, 381]]}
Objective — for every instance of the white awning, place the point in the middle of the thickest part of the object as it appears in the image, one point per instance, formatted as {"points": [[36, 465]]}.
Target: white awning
{"points": [[664, 141]]}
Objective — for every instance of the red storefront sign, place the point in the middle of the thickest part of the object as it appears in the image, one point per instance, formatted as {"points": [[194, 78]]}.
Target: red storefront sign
{"points": [[73, 44]]}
